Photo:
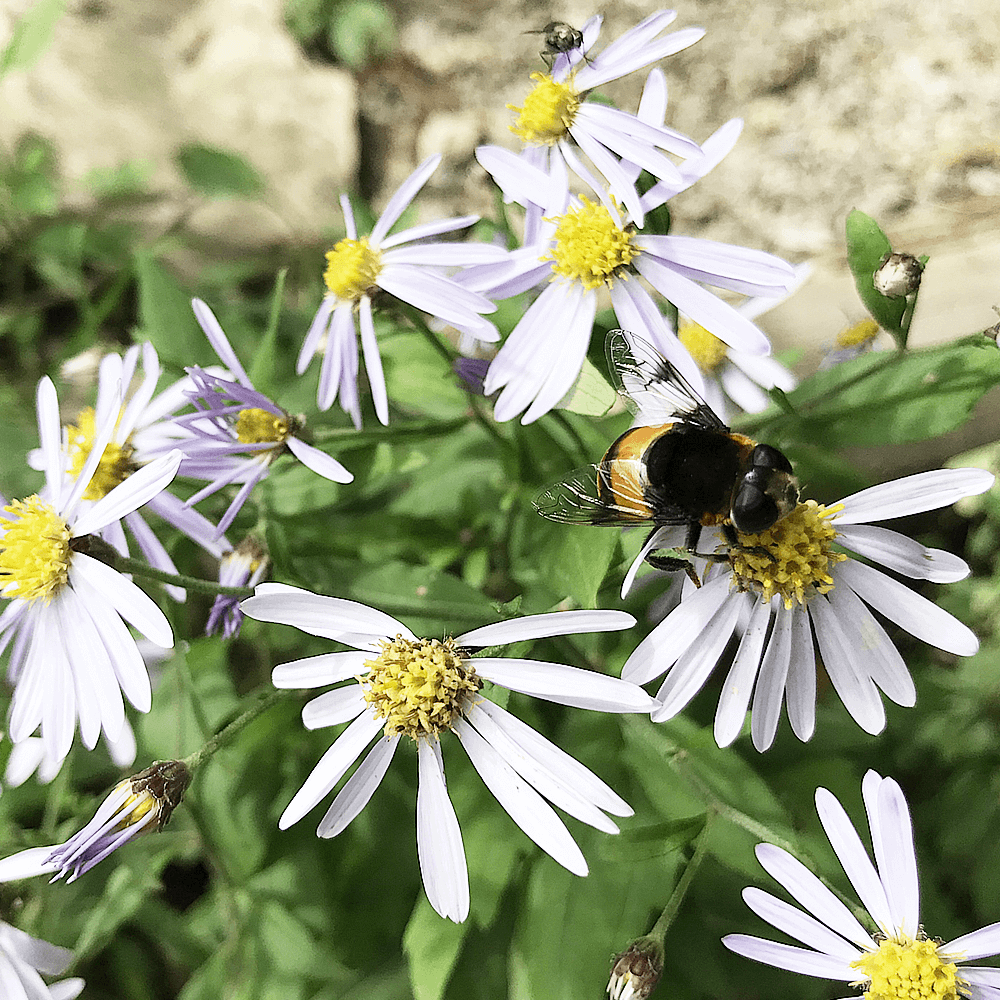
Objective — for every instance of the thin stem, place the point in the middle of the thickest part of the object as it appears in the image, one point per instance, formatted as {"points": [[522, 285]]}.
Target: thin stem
{"points": [[666, 918], [228, 733], [126, 564]]}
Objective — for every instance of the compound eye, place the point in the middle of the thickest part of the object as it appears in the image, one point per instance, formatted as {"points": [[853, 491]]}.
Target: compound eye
{"points": [[753, 510], [764, 456]]}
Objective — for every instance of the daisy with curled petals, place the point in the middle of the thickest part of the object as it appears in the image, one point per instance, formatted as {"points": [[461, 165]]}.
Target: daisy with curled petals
{"points": [[557, 118], [899, 961], [237, 432], [582, 247], [71, 655], [419, 688], [23, 962], [405, 266], [791, 595]]}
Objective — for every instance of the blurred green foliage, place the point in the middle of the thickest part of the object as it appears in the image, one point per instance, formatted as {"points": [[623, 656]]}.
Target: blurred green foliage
{"points": [[352, 32]]}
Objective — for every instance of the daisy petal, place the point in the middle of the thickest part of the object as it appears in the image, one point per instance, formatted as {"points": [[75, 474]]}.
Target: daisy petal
{"points": [[334, 707], [439, 840], [317, 671], [736, 690], [219, 341], [767, 696], [402, 197], [544, 626], [50, 438], [785, 956], [799, 925], [373, 361], [984, 943], [358, 789], [902, 554], [27, 864], [913, 494], [896, 857], [800, 688], [319, 461]]}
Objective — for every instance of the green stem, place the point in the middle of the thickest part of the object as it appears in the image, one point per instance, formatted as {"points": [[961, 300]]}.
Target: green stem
{"points": [[228, 733], [125, 564], [666, 918]]}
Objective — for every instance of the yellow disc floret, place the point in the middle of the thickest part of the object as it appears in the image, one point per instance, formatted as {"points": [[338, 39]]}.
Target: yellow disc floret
{"points": [[116, 463], [419, 686], [794, 559], [34, 550], [707, 350], [257, 426], [548, 112], [352, 267], [859, 335], [590, 246], [906, 969]]}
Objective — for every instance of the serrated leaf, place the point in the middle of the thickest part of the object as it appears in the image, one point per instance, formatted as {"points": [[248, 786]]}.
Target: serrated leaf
{"points": [[219, 174]]}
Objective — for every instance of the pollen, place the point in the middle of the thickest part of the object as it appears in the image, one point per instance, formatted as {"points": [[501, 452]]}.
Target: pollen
{"points": [[352, 268], [906, 969], [34, 550], [419, 686], [116, 463], [792, 558], [590, 246], [257, 426], [549, 111], [859, 335], [707, 350]]}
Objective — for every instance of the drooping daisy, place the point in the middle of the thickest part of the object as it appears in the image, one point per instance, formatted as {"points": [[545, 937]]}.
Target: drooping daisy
{"points": [[237, 432], [419, 688], [899, 961], [141, 803], [71, 655], [244, 566], [402, 265], [582, 247], [807, 598], [23, 962], [556, 117]]}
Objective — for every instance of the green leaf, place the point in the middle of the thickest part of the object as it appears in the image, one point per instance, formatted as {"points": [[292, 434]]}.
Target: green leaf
{"points": [[262, 370], [578, 558], [218, 174], [418, 379], [866, 246], [361, 31], [32, 35], [592, 394], [432, 945], [166, 316]]}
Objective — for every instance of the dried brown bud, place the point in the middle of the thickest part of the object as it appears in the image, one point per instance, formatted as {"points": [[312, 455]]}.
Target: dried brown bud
{"points": [[636, 971], [898, 275]]}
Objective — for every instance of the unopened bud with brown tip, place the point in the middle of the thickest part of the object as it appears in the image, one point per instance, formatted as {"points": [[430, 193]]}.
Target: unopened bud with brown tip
{"points": [[898, 275], [637, 970]]}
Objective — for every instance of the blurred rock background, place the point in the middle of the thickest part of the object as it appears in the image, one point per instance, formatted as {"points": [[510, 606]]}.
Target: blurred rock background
{"points": [[889, 107]]}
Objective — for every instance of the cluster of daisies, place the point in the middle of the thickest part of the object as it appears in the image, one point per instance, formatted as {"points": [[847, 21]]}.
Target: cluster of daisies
{"points": [[73, 614]]}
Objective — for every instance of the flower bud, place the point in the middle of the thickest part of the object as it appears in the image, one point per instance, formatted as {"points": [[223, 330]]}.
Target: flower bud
{"points": [[636, 971], [898, 275]]}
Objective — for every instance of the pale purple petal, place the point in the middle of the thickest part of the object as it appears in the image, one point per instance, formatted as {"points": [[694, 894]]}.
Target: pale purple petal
{"points": [[335, 376], [314, 335], [402, 197], [518, 180], [423, 230], [219, 341], [454, 254], [318, 461]]}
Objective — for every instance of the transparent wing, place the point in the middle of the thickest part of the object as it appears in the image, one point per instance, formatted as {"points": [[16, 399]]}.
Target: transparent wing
{"points": [[651, 387]]}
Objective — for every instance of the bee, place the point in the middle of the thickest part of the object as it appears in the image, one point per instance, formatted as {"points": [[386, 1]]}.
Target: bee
{"points": [[681, 466], [560, 38]]}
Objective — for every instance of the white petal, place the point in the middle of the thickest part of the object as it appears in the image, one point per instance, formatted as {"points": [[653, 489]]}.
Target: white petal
{"points": [[334, 707], [854, 859], [138, 489], [799, 925], [983, 943], [219, 341], [314, 334], [524, 805], [973, 974], [565, 685], [319, 461], [518, 180], [373, 361], [660, 538], [554, 787], [439, 839], [317, 671], [479, 251], [543, 626], [902, 554], [738, 686], [136, 607], [913, 494], [402, 197], [770, 687], [316, 614], [50, 438], [800, 687], [908, 609], [332, 766], [896, 858], [785, 956], [812, 894], [27, 864], [358, 789]]}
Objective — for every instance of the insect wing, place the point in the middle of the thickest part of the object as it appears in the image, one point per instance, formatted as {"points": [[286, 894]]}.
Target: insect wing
{"points": [[652, 387], [591, 496]]}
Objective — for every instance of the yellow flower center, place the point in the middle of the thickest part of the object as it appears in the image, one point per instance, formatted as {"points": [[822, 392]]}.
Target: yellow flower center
{"points": [[351, 269], [904, 969], [590, 246], [257, 426], [139, 804], [419, 686], [34, 550], [707, 350], [116, 463], [800, 546], [859, 335], [548, 111]]}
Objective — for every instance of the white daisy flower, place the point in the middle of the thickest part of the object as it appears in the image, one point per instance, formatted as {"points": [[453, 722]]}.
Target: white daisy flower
{"points": [[23, 962], [403, 265], [899, 961], [582, 247], [557, 119], [805, 598], [71, 656], [237, 432], [405, 686]]}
